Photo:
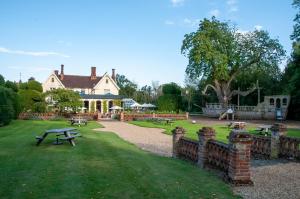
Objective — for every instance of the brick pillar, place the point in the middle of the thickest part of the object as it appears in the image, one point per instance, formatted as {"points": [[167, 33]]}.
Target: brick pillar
{"points": [[187, 115], [204, 134], [239, 157], [281, 128], [122, 116], [277, 130], [178, 133]]}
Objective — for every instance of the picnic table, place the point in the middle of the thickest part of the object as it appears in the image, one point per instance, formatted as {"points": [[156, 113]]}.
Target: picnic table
{"points": [[67, 132], [263, 128], [237, 125], [161, 119], [78, 121]]}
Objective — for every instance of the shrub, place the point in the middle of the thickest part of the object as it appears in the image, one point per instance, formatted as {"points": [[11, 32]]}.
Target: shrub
{"points": [[6, 106]]}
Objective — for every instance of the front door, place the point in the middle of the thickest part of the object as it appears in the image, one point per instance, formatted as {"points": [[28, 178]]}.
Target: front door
{"points": [[98, 105], [278, 105]]}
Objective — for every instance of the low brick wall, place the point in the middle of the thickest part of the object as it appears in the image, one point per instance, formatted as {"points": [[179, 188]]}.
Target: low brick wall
{"points": [[140, 116], [53, 116], [289, 147], [261, 146], [276, 145], [233, 158], [218, 155]]}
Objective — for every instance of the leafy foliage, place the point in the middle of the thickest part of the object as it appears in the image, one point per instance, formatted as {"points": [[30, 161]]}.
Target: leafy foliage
{"points": [[105, 108], [291, 77], [171, 99], [12, 85], [217, 53], [64, 98], [2, 81], [93, 106], [6, 106], [127, 87]]}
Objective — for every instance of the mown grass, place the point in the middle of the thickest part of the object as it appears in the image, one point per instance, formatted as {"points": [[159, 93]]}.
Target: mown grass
{"points": [[222, 131], [100, 166]]}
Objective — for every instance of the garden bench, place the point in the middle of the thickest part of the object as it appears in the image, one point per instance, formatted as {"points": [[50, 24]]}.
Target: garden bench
{"points": [[67, 138], [78, 121]]}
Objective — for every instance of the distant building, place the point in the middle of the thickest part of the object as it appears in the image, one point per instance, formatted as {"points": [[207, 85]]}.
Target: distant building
{"points": [[92, 88], [271, 108], [127, 102]]}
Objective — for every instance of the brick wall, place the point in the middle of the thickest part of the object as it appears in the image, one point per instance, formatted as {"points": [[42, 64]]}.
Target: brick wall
{"points": [[140, 116], [233, 158]]}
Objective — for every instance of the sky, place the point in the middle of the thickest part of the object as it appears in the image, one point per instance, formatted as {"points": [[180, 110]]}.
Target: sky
{"points": [[139, 38]]}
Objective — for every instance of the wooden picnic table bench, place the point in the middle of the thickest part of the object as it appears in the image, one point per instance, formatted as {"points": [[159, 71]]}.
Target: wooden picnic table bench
{"points": [[237, 125], [64, 131], [263, 128], [78, 121]]}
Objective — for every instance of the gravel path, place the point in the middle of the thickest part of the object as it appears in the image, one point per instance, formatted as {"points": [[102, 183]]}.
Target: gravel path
{"points": [[149, 139], [273, 179]]}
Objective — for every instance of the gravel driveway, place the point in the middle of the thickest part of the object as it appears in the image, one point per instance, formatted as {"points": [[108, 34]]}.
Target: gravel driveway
{"points": [[149, 139], [273, 179]]}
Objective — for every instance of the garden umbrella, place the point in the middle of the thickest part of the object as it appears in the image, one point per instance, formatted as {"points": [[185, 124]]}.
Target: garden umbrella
{"points": [[136, 105], [116, 108]]}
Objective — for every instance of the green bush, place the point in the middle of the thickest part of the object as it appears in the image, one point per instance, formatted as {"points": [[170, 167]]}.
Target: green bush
{"points": [[6, 106]]}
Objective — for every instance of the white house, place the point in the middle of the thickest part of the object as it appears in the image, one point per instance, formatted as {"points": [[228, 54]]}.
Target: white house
{"points": [[100, 91]]}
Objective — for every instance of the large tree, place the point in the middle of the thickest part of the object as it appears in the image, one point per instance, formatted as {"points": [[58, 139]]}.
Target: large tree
{"points": [[64, 99], [127, 87], [218, 53], [291, 77]]}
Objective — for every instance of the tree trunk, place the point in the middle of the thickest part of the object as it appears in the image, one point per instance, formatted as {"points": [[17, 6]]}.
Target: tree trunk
{"points": [[224, 93]]}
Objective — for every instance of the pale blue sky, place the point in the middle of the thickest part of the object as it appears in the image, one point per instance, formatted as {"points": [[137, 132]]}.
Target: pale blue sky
{"points": [[140, 38]]}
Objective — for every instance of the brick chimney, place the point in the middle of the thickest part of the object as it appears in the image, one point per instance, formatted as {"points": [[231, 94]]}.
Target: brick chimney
{"points": [[113, 74], [93, 73], [62, 72], [56, 72]]}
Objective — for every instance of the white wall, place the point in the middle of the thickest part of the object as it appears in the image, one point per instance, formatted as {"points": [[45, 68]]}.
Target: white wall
{"points": [[48, 84], [106, 84]]}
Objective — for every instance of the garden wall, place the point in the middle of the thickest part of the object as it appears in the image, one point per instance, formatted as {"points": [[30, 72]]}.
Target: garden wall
{"points": [[55, 116], [276, 145], [140, 116], [233, 158]]}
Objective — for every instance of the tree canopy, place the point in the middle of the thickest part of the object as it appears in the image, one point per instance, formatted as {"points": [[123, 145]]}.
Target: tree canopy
{"points": [[291, 77], [127, 87], [64, 98], [218, 53]]}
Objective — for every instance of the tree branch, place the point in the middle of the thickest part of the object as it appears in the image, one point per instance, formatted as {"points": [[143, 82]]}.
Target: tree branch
{"points": [[206, 87], [242, 93]]}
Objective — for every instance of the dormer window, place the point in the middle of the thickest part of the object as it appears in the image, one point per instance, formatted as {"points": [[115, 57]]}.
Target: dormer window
{"points": [[52, 79], [107, 81]]}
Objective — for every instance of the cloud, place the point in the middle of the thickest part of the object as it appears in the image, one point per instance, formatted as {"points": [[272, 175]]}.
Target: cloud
{"points": [[191, 22], [176, 3], [241, 31], [169, 22], [258, 27], [231, 2], [31, 53], [214, 12], [232, 5]]}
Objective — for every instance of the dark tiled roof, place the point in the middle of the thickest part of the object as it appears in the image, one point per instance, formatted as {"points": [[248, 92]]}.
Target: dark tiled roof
{"points": [[108, 96], [76, 81]]}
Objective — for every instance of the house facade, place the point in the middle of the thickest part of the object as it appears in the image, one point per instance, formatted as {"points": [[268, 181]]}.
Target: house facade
{"points": [[98, 93]]}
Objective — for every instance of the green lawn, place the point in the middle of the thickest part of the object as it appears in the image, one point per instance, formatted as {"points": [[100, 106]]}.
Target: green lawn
{"points": [[222, 131], [100, 166]]}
